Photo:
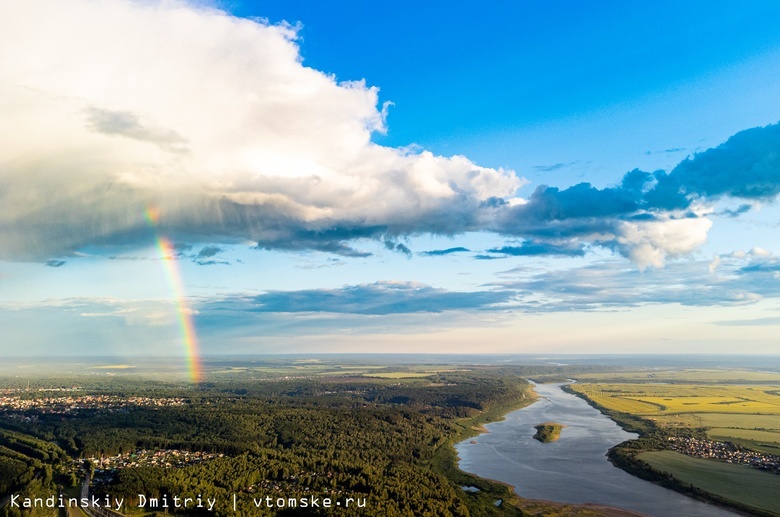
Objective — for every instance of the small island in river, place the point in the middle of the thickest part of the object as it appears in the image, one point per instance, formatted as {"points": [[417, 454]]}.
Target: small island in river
{"points": [[548, 432]]}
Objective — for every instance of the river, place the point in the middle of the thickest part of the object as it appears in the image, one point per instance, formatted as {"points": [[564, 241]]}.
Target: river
{"points": [[573, 469]]}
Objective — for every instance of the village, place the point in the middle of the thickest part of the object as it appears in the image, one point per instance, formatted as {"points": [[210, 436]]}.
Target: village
{"points": [[726, 451], [75, 403], [105, 468]]}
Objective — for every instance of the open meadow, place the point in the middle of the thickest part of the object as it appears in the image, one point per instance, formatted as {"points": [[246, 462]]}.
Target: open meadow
{"points": [[735, 482]]}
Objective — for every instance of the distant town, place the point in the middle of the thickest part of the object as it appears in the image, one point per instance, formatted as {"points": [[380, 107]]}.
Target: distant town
{"points": [[23, 400], [725, 451], [167, 458], [106, 468]]}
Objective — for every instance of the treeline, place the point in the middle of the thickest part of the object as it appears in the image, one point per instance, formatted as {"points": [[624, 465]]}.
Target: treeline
{"points": [[272, 413], [374, 440], [24, 457], [30, 467]]}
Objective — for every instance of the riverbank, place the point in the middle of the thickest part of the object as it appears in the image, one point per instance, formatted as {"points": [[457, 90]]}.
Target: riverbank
{"points": [[489, 491], [654, 438], [445, 459], [572, 471]]}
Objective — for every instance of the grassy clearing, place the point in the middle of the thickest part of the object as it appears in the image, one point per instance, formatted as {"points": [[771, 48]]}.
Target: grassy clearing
{"points": [[738, 483]]}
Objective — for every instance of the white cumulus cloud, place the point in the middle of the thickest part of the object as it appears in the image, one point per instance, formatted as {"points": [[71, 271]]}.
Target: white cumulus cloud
{"points": [[111, 107], [650, 243]]}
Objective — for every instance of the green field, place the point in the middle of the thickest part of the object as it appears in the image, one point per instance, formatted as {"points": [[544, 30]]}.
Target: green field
{"points": [[688, 375], [738, 483], [759, 440]]}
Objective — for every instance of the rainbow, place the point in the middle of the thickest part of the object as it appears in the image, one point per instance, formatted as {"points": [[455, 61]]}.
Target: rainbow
{"points": [[173, 274]]}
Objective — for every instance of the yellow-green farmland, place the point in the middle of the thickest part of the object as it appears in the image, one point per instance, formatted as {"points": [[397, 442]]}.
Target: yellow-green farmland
{"points": [[686, 375], [671, 399], [745, 414], [736, 406]]}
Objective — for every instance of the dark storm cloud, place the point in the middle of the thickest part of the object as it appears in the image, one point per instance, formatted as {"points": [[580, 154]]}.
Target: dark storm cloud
{"points": [[534, 248], [746, 166], [392, 245], [448, 251], [209, 251], [741, 209], [769, 265], [205, 257], [580, 201], [581, 212]]}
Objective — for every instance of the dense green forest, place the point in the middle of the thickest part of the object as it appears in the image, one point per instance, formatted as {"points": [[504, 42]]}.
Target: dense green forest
{"points": [[29, 467], [382, 442], [372, 440]]}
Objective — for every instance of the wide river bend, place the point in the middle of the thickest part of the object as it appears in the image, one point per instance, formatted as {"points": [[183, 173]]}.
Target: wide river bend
{"points": [[573, 469]]}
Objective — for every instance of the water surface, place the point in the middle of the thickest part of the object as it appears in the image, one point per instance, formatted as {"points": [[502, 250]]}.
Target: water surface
{"points": [[573, 469]]}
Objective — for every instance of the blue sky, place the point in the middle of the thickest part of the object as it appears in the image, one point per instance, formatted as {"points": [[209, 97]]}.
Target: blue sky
{"points": [[520, 177], [467, 76]]}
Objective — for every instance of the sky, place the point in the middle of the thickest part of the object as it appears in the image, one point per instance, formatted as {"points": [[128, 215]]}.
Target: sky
{"points": [[198, 178]]}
